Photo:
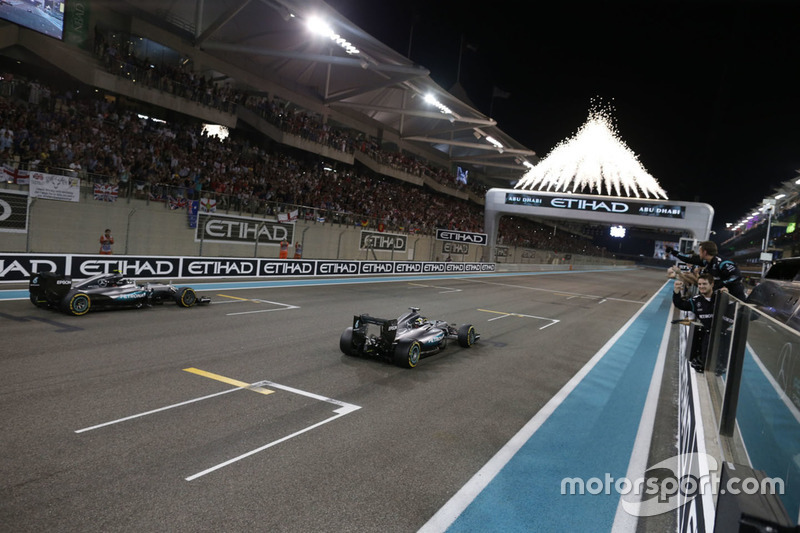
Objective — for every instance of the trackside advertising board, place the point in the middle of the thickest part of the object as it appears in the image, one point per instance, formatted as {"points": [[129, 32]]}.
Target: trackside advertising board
{"points": [[465, 237], [15, 268]]}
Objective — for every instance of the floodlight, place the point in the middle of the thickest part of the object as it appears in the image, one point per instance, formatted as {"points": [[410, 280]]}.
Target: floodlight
{"points": [[617, 231], [431, 99], [494, 142], [320, 27]]}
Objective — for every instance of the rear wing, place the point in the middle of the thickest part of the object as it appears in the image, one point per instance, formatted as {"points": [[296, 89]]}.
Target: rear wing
{"points": [[388, 326], [49, 286]]}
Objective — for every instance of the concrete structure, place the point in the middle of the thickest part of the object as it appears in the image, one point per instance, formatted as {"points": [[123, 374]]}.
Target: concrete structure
{"points": [[140, 227]]}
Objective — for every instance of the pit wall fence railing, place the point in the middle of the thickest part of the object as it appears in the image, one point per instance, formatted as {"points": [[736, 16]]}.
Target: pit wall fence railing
{"points": [[143, 226], [744, 411]]}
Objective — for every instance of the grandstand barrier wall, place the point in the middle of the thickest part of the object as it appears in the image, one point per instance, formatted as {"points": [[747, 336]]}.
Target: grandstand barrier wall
{"points": [[149, 228]]}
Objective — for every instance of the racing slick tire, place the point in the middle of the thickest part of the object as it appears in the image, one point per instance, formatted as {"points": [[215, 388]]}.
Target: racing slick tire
{"points": [[466, 335], [346, 342], [406, 354], [76, 303], [186, 297]]}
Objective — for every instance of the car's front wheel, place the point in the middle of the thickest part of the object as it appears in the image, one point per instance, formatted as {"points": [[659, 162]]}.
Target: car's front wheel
{"points": [[77, 303], [186, 297], [406, 354], [466, 335]]}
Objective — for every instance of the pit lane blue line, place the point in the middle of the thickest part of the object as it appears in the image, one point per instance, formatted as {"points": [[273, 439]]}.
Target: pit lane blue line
{"points": [[17, 294], [586, 432]]}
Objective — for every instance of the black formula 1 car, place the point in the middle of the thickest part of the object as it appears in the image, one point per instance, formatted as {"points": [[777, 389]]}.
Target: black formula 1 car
{"points": [[404, 340], [50, 290]]}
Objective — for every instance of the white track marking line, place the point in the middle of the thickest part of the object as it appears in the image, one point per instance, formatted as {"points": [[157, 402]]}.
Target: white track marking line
{"points": [[262, 448], [283, 307], [520, 315], [344, 409], [446, 289], [187, 402]]}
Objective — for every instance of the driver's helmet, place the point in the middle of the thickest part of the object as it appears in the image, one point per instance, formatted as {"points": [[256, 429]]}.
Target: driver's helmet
{"points": [[116, 278], [419, 322]]}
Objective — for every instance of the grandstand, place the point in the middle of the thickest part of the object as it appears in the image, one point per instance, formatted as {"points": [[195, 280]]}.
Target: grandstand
{"points": [[149, 88], [768, 228]]}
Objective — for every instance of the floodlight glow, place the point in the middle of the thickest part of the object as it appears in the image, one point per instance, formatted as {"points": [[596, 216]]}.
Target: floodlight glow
{"points": [[494, 142], [429, 98], [617, 231], [320, 27], [595, 158], [216, 130]]}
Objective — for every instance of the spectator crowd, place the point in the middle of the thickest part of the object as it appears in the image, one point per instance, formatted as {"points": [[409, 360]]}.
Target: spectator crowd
{"points": [[96, 138]]}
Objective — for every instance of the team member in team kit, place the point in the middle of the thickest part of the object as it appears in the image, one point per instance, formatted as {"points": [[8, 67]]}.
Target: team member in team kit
{"points": [[725, 272], [702, 305]]}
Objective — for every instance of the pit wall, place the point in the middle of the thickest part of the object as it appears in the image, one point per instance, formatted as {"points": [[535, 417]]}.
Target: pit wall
{"points": [[151, 228]]}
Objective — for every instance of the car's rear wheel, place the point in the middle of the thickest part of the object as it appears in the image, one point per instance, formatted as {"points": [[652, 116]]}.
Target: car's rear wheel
{"points": [[186, 297], [77, 303], [346, 342], [466, 335], [406, 354]]}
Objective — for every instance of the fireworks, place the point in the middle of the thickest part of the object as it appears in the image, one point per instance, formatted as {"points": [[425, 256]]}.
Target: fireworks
{"points": [[594, 160]]}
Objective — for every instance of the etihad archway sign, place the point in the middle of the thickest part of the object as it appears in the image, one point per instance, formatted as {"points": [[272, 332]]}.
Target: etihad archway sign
{"points": [[691, 217]]}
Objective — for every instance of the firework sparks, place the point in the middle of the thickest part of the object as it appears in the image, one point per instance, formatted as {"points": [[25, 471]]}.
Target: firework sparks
{"points": [[595, 160]]}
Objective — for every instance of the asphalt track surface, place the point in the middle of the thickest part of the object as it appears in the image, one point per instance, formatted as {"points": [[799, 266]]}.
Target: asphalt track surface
{"points": [[143, 420]]}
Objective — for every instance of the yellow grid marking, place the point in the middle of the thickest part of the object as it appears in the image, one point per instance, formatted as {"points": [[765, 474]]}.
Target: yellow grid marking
{"points": [[502, 313], [229, 381], [235, 298]]}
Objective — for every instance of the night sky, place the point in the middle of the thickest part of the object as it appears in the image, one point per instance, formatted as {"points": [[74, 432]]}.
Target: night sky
{"points": [[705, 93]]}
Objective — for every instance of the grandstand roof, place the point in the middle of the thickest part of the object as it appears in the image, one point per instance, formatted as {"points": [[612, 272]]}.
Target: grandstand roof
{"points": [[270, 40]]}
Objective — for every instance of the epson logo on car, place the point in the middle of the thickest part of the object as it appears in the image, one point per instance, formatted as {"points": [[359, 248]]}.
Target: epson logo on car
{"points": [[63, 282], [392, 328]]}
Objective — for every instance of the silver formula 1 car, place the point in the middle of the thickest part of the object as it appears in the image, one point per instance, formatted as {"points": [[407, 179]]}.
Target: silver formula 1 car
{"points": [[50, 290], [404, 340]]}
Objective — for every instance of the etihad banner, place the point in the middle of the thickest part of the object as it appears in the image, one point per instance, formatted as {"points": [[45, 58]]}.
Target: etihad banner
{"points": [[212, 227], [378, 240], [462, 236], [20, 267], [600, 205]]}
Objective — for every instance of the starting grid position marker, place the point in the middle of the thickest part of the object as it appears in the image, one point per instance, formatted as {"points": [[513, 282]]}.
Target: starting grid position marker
{"points": [[262, 387]]}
